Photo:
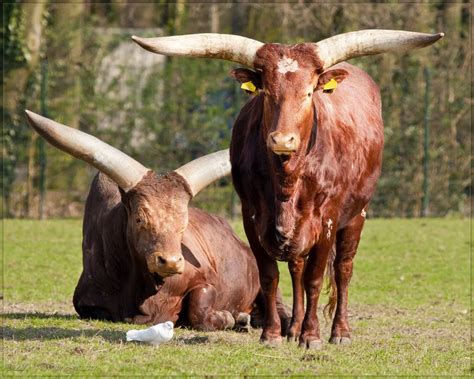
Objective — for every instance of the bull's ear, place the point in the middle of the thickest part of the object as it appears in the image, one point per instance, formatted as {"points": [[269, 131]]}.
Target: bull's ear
{"points": [[244, 75], [337, 74]]}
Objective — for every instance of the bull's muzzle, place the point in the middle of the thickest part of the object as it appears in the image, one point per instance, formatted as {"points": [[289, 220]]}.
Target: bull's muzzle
{"points": [[283, 143], [166, 265]]}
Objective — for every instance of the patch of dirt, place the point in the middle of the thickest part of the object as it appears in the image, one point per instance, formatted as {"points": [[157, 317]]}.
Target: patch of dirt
{"points": [[321, 357]]}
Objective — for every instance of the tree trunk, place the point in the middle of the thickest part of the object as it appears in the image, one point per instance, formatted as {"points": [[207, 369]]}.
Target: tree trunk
{"points": [[214, 18], [14, 85], [15, 80]]}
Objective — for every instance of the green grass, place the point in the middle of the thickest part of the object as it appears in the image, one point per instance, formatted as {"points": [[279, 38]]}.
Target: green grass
{"points": [[409, 311]]}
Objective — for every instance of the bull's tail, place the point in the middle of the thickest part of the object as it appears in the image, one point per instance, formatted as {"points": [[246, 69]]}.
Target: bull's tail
{"points": [[331, 287]]}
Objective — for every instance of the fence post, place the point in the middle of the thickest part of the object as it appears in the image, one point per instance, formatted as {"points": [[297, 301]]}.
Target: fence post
{"points": [[426, 145], [41, 146]]}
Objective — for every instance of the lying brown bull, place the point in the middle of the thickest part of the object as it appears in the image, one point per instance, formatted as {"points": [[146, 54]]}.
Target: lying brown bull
{"points": [[305, 161], [147, 258]]}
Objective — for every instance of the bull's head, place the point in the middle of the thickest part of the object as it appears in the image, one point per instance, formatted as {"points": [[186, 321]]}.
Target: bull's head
{"points": [[156, 206], [288, 75]]}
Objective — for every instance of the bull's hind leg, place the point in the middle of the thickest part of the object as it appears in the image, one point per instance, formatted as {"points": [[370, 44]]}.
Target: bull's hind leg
{"points": [[346, 248], [313, 282], [201, 312]]}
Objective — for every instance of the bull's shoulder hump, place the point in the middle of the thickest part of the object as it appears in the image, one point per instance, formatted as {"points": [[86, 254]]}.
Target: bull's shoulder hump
{"points": [[105, 188], [356, 74]]}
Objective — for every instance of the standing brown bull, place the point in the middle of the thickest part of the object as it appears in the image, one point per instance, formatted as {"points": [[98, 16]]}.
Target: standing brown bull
{"points": [[138, 236], [304, 161]]}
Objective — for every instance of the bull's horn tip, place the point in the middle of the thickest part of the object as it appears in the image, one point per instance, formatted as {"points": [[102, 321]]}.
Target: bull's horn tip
{"points": [[141, 42], [138, 40], [441, 35], [31, 115]]}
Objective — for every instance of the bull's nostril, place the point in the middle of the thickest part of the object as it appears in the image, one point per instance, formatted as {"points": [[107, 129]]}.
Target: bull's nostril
{"points": [[291, 140], [273, 139], [180, 259], [161, 260]]}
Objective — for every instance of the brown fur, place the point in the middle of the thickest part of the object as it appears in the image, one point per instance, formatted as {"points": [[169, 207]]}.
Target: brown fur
{"points": [[122, 231], [297, 207]]}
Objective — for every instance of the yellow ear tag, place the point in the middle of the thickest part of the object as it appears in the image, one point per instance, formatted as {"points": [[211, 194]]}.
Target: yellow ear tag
{"points": [[330, 86], [248, 86]]}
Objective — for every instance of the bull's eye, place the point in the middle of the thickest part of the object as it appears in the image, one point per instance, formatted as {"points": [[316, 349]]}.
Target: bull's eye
{"points": [[309, 94], [138, 220]]}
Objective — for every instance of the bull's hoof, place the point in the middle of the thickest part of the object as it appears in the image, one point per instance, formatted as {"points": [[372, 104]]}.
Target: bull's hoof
{"points": [[336, 340], [316, 344], [271, 342], [229, 321], [292, 337], [293, 333], [242, 323], [243, 319]]}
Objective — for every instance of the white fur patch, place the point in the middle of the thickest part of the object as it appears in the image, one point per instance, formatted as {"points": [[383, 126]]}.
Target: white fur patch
{"points": [[329, 225], [284, 244], [363, 213], [287, 65]]}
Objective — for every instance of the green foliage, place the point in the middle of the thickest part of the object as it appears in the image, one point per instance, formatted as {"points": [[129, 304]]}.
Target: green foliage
{"points": [[409, 302], [15, 52], [175, 110]]}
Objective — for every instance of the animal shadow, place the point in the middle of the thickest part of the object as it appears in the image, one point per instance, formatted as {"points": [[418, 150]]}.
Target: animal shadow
{"points": [[42, 316], [192, 340], [54, 333]]}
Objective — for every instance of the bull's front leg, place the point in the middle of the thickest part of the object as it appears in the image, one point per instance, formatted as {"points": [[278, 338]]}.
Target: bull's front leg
{"points": [[313, 283], [269, 276], [201, 312], [296, 268]]}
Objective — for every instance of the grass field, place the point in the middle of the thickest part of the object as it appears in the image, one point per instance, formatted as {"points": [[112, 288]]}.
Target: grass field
{"points": [[409, 311]]}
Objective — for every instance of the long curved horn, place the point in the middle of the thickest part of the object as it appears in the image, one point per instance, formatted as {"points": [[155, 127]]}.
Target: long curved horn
{"points": [[345, 46], [206, 45], [201, 172], [122, 169]]}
